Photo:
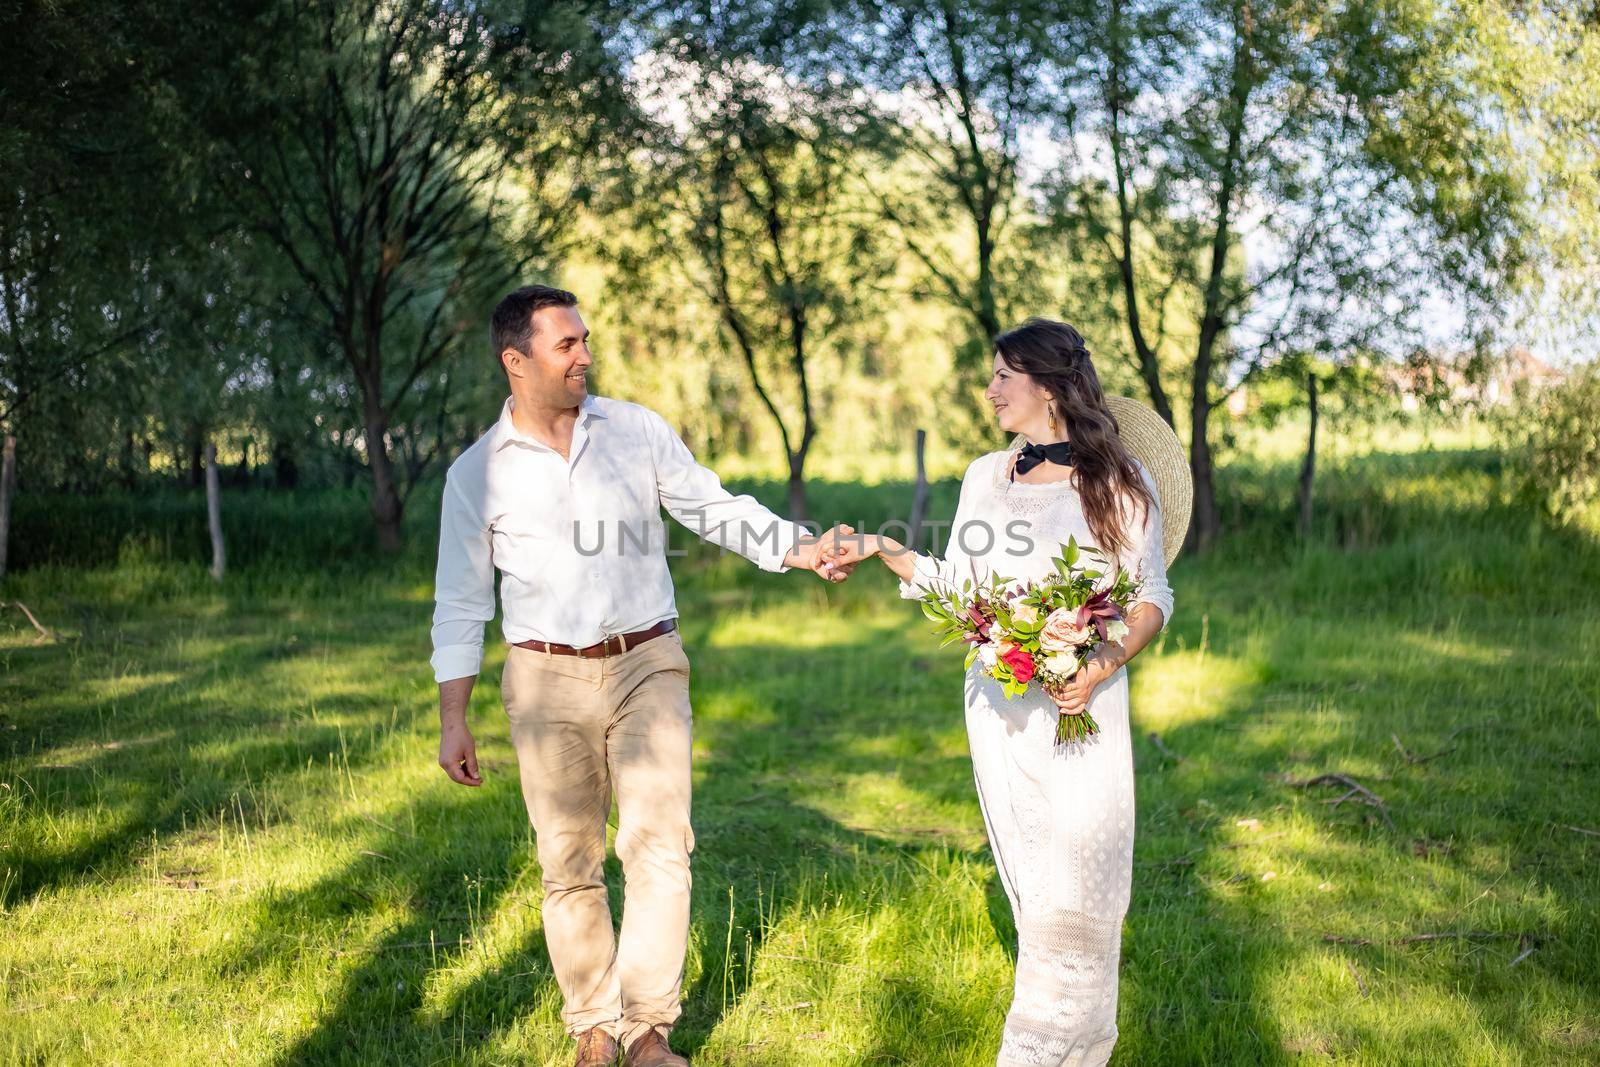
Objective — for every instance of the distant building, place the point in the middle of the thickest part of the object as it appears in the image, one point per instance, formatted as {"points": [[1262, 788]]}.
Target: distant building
{"points": [[1521, 368], [1448, 382], [1468, 379]]}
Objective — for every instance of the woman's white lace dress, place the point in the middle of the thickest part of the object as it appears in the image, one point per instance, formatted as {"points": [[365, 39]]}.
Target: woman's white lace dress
{"points": [[1060, 819]]}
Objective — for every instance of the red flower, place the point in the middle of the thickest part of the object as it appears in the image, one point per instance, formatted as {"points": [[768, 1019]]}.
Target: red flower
{"points": [[1020, 661]]}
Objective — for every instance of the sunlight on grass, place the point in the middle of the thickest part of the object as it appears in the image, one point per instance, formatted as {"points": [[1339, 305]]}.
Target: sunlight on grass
{"points": [[222, 829], [1183, 688]]}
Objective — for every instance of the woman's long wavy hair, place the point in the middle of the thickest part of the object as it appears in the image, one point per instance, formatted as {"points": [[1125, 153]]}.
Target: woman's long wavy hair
{"points": [[1055, 356]]}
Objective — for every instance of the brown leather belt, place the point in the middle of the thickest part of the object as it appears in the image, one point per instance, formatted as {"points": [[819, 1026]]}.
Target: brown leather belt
{"points": [[611, 646]]}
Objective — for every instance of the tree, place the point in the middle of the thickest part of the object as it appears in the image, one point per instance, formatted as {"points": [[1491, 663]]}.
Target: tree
{"points": [[1348, 387], [753, 194], [1542, 62], [1293, 171], [81, 135], [950, 90], [410, 160]]}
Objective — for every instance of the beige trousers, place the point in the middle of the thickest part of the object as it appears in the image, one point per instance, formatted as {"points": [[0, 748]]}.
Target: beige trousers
{"points": [[584, 728]]}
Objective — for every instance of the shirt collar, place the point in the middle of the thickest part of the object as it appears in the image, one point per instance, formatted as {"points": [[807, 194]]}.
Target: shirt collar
{"points": [[505, 431]]}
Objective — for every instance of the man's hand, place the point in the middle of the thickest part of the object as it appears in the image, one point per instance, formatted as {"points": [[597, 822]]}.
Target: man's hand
{"points": [[848, 549], [817, 554], [458, 755]]}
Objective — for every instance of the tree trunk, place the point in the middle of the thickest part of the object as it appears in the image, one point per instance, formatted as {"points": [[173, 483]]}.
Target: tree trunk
{"points": [[1207, 526], [386, 507], [285, 470], [919, 499], [987, 313], [130, 461], [219, 561], [197, 464], [1149, 359], [241, 473], [1207, 520], [1308, 469], [798, 512], [8, 482]]}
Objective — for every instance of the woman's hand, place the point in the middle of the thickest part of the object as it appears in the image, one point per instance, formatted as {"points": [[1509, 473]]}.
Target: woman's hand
{"points": [[816, 554], [846, 549], [1073, 698]]}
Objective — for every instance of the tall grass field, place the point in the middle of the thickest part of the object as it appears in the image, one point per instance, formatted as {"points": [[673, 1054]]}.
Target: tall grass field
{"points": [[224, 837]]}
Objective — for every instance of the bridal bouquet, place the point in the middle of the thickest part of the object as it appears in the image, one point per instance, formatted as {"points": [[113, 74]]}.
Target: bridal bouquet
{"points": [[1041, 632]]}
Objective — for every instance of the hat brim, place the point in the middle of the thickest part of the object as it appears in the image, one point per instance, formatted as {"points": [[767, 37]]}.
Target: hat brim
{"points": [[1151, 441]]}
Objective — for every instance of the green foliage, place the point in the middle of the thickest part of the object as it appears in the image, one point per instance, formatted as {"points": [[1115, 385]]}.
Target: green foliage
{"points": [[1554, 434], [314, 205], [748, 189], [329, 528], [224, 826]]}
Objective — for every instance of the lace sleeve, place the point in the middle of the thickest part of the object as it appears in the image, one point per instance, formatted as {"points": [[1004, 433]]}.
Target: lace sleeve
{"points": [[1148, 558], [930, 570]]}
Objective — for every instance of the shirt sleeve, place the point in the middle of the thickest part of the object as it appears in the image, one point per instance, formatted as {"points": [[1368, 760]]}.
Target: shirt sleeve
{"points": [[463, 590], [694, 496], [929, 571], [1149, 557]]}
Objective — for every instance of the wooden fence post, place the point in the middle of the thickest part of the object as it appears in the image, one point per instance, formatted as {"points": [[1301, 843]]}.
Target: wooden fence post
{"points": [[919, 501], [1308, 469], [219, 561], [8, 482]]}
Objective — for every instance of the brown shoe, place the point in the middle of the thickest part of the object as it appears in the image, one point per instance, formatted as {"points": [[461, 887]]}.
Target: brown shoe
{"points": [[650, 1049], [596, 1048]]}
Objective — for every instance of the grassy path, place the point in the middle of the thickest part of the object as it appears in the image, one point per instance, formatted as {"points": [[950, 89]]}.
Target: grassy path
{"points": [[222, 832]]}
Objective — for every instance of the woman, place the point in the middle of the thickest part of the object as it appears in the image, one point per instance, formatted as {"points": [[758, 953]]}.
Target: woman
{"points": [[1059, 817]]}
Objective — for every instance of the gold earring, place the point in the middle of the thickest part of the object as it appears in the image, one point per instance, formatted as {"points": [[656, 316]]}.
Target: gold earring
{"points": [[1051, 410]]}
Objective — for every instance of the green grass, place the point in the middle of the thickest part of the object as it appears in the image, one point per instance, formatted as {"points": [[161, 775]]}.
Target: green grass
{"points": [[223, 834]]}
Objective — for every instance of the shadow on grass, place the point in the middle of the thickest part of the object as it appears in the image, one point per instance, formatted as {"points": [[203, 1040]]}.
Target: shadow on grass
{"points": [[762, 851], [191, 748], [1203, 951], [1346, 651]]}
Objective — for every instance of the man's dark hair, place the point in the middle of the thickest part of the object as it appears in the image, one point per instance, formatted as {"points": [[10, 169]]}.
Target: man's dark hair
{"points": [[512, 323]]}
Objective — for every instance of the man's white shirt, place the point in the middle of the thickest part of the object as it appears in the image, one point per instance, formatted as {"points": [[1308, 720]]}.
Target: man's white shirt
{"points": [[579, 542]]}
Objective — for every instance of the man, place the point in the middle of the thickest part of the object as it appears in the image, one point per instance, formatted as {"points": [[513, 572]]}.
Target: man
{"points": [[564, 495]]}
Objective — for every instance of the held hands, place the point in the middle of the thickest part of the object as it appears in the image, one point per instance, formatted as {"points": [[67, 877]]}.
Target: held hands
{"points": [[830, 556], [845, 550], [837, 553]]}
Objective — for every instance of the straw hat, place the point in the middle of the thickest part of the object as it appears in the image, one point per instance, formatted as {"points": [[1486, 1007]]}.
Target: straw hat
{"points": [[1151, 441]]}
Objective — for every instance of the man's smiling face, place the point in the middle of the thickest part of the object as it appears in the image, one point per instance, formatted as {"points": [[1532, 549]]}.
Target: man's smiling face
{"points": [[558, 358]]}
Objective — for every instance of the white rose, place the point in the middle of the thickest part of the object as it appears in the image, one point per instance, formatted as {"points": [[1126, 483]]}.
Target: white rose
{"points": [[1060, 663], [1116, 630], [989, 654]]}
